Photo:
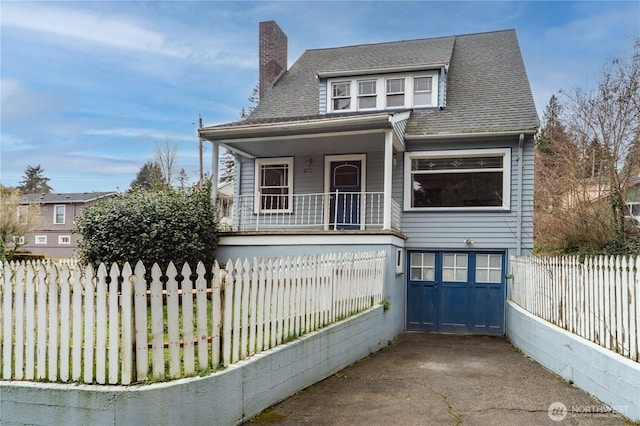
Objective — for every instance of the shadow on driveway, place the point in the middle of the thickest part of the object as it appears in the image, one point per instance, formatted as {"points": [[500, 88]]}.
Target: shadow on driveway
{"points": [[442, 379]]}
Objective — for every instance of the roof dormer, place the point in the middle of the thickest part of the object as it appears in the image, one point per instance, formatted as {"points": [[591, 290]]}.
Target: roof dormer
{"points": [[419, 88]]}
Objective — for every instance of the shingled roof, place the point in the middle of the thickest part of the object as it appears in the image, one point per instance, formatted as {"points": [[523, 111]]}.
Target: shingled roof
{"points": [[487, 86], [67, 198]]}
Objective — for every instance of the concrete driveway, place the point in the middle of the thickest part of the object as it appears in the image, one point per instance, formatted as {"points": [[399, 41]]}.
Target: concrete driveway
{"points": [[442, 379]]}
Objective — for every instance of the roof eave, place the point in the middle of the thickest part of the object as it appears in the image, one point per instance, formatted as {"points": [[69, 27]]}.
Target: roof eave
{"points": [[304, 126], [423, 136], [380, 70]]}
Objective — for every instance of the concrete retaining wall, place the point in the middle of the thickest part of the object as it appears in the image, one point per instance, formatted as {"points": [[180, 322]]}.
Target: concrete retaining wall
{"points": [[612, 378], [224, 398]]}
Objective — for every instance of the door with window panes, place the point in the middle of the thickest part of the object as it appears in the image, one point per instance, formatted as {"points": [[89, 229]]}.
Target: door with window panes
{"points": [[456, 291]]}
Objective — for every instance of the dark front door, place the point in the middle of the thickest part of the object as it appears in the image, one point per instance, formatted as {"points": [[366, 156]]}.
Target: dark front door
{"points": [[345, 186], [455, 292]]}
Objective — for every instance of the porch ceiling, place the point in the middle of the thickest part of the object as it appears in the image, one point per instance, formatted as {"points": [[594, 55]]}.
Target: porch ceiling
{"points": [[337, 143]]}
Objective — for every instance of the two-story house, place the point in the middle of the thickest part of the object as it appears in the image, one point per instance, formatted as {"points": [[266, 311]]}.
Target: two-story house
{"points": [[54, 236], [423, 148]]}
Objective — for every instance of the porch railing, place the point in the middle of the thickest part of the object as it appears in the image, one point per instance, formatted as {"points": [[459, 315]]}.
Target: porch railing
{"points": [[319, 211]]}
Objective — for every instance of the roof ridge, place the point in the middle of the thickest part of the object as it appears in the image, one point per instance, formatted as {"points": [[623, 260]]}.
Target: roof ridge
{"points": [[454, 36]]}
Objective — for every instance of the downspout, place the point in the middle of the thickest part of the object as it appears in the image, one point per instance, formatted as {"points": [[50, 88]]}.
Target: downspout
{"points": [[519, 214]]}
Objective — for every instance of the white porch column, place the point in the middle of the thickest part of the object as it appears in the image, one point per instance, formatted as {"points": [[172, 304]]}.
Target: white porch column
{"points": [[215, 159], [388, 176]]}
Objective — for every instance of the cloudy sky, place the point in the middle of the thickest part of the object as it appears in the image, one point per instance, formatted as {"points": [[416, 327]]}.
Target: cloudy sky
{"points": [[89, 88]]}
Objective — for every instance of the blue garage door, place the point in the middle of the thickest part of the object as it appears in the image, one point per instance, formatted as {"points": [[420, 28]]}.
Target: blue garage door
{"points": [[460, 292]]}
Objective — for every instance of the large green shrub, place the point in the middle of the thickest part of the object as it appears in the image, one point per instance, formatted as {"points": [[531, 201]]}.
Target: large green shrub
{"points": [[152, 226], [2, 255]]}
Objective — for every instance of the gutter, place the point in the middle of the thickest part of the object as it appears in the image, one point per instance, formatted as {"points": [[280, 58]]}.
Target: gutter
{"points": [[469, 135], [519, 213], [276, 129]]}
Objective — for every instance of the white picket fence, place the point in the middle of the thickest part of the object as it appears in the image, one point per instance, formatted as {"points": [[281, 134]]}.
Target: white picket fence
{"points": [[72, 324], [597, 298]]}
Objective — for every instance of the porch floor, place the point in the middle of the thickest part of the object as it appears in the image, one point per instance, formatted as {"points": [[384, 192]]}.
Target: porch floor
{"points": [[298, 232]]}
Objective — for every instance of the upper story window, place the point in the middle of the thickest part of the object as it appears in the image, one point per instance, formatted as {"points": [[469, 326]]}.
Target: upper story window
{"points": [[395, 92], [58, 214], [367, 94], [274, 184], [341, 96], [422, 91], [458, 180], [383, 92]]}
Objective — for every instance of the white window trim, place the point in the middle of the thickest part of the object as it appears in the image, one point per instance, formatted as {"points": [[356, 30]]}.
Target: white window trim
{"points": [[64, 214], [403, 92], [18, 240], [40, 240], [61, 239], [359, 96], [259, 162], [468, 153], [381, 91], [433, 80]]}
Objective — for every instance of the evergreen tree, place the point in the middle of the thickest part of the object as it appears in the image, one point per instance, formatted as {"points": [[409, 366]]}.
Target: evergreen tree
{"points": [[227, 160], [34, 182], [228, 167], [149, 176], [253, 102]]}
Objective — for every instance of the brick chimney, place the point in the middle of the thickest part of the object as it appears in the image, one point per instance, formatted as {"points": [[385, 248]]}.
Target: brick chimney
{"points": [[273, 55]]}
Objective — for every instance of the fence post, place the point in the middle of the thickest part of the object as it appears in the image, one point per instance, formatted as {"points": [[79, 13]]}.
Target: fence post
{"points": [[157, 323], [140, 305], [188, 350]]}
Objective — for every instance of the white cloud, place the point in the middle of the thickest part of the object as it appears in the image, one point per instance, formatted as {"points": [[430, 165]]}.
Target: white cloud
{"points": [[597, 29], [14, 143], [138, 132], [114, 31]]}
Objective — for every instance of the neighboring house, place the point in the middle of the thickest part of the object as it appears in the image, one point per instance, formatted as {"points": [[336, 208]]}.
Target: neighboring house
{"points": [[422, 148], [633, 199], [55, 237], [225, 205]]}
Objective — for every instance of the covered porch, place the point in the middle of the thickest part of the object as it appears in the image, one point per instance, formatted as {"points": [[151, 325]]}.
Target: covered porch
{"points": [[329, 173]]}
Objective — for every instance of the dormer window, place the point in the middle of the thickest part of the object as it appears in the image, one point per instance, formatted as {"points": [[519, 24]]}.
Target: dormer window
{"points": [[395, 92], [422, 88], [390, 91], [367, 94], [342, 95]]}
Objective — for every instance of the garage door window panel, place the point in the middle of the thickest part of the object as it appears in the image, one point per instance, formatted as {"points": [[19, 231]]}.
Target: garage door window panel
{"points": [[423, 266], [454, 267]]}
